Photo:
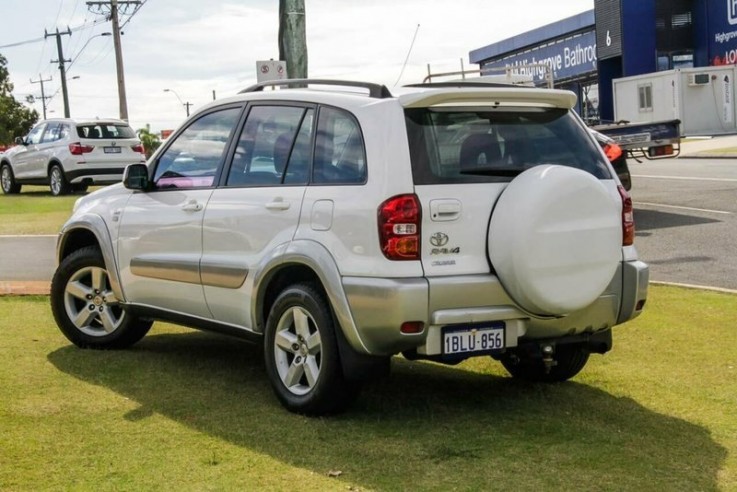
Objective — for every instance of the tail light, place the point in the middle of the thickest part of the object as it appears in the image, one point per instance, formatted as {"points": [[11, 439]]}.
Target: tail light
{"points": [[612, 151], [77, 148], [660, 151], [399, 227], [628, 218], [138, 148]]}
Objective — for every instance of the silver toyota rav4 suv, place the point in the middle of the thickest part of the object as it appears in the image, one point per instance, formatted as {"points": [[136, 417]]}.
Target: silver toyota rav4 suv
{"points": [[339, 224]]}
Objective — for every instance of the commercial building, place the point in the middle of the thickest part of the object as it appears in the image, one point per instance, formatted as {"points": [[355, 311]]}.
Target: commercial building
{"points": [[620, 38]]}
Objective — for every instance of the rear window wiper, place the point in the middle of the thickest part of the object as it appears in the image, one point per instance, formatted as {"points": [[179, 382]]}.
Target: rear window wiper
{"points": [[507, 172]]}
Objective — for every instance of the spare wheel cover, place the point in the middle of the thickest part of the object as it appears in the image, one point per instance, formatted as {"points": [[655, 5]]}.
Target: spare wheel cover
{"points": [[555, 239]]}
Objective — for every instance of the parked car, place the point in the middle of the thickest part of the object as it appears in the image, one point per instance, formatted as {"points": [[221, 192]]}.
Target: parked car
{"points": [[337, 229], [69, 155], [617, 156]]}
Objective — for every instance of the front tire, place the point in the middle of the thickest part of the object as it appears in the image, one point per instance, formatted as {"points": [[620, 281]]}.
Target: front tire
{"points": [[7, 180], [57, 181], [570, 359], [301, 353], [85, 307]]}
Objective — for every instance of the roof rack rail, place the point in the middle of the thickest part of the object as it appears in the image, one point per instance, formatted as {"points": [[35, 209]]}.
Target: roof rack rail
{"points": [[377, 91], [461, 83]]}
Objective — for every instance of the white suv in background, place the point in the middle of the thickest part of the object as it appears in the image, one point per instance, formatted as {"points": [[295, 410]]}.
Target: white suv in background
{"points": [[69, 155], [339, 228]]}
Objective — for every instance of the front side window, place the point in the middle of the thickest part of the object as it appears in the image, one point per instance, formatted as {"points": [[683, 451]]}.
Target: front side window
{"points": [[453, 145], [266, 152], [194, 156], [35, 136], [340, 157]]}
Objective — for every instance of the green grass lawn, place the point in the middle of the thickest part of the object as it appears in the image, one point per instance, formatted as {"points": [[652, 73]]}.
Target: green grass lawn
{"points": [[35, 211], [184, 410]]}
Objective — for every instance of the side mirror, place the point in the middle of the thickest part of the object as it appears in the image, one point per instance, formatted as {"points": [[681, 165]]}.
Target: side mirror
{"points": [[135, 177], [20, 140]]}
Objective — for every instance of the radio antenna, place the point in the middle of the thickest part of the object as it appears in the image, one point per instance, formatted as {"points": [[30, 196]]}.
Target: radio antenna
{"points": [[412, 44]]}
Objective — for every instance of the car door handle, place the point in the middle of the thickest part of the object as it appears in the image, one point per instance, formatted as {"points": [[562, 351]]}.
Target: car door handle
{"points": [[192, 206], [445, 210], [278, 204]]}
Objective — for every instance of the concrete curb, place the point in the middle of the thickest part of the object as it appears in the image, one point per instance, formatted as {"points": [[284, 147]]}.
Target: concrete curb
{"points": [[695, 287], [708, 156], [25, 288]]}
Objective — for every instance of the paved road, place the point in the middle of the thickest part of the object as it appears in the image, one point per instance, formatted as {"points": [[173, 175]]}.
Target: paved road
{"points": [[685, 212], [25, 258], [686, 220]]}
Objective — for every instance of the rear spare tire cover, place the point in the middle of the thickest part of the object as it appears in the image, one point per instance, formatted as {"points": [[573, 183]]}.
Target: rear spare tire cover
{"points": [[555, 239]]}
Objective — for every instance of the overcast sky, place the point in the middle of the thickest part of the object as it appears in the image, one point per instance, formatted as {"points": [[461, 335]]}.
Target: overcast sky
{"points": [[196, 46]]}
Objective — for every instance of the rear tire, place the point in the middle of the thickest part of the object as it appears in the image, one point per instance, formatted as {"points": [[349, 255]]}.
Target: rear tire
{"points": [[57, 181], [7, 179], [301, 353], [85, 307], [570, 359]]}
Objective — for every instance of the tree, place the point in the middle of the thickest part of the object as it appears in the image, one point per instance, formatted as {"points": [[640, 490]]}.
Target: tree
{"points": [[15, 119], [150, 141]]}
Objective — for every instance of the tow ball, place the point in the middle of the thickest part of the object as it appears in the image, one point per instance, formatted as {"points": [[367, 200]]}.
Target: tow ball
{"points": [[548, 350]]}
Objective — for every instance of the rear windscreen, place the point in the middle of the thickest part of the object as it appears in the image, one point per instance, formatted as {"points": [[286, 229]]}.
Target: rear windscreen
{"points": [[459, 145], [105, 130]]}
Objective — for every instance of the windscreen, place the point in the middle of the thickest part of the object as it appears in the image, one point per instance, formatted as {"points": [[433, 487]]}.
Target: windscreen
{"points": [[459, 145]]}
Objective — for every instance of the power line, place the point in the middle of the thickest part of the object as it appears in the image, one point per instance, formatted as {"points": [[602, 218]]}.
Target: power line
{"points": [[36, 40]]}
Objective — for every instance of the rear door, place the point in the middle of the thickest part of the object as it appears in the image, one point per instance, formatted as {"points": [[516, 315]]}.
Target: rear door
{"points": [[463, 159], [258, 207]]}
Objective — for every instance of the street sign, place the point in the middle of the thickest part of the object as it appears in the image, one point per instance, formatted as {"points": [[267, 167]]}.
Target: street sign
{"points": [[271, 70]]}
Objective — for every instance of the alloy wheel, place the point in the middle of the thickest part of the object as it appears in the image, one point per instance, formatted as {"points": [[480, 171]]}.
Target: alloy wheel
{"points": [[90, 303], [298, 351]]}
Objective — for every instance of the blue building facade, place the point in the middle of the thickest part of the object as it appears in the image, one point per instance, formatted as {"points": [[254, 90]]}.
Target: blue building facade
{"points": [[619, 38]]}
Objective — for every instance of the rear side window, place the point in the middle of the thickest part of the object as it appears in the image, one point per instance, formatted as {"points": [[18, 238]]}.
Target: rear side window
{"points": [[452, 145], [340, 157], [105, 130], [266, 152], [52, 134]]}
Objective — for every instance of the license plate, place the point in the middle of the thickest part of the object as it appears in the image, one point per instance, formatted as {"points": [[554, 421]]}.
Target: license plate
{"points": [[111, 150], [471, 339]]}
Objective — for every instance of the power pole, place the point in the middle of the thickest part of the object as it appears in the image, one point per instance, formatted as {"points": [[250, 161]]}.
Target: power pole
{"points": [[293, 37], [44, 97], [112, 8], [62, 68], [187, 105]]}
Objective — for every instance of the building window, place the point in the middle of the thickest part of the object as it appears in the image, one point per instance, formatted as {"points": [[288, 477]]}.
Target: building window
{"points": [[645, 93]]}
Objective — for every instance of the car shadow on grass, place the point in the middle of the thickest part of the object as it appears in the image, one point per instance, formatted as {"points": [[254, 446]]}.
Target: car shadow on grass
{"points": [[426, 426]]}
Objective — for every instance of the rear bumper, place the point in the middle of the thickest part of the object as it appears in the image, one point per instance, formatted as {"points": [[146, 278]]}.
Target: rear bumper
{"points": [[100, 175], [379, 307], [635, 278]]}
